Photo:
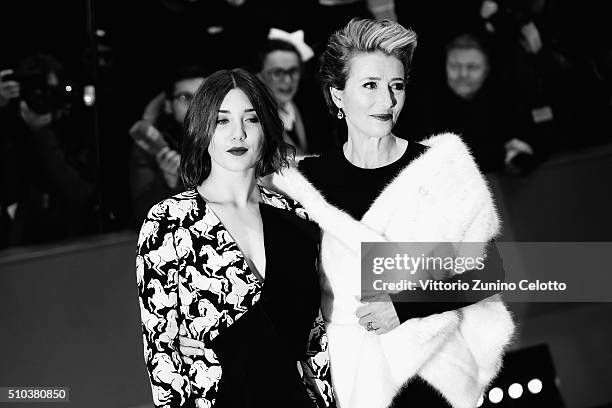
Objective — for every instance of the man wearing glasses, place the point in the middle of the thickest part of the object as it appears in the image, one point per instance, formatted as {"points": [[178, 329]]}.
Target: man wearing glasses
{"points": [[155, 159]]}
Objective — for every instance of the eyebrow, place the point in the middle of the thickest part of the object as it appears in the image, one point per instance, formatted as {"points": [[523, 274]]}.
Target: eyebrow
{"points": [[378, 79], [246, 110]]}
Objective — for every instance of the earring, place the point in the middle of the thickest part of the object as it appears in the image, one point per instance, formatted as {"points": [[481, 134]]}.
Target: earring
{"points": [[340, 115]]}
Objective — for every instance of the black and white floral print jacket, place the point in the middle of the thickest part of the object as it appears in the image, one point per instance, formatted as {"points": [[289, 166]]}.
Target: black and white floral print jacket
{"points": [[186, 257]]}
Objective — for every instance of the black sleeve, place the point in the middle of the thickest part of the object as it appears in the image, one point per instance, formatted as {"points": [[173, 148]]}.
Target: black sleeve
{"points": [[419, 303]]}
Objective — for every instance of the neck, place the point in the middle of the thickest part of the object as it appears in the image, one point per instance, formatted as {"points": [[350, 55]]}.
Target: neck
{"points": [[369, 153], [283, 105], [238, 189]]}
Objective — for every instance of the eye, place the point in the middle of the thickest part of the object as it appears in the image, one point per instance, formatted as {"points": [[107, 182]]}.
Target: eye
{"points": [[253, 119], [184, 97], [222, 121], [398, 86], [370, 85]]}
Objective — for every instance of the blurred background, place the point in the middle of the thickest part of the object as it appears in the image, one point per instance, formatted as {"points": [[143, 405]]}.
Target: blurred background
{"points": [[92, 100]]}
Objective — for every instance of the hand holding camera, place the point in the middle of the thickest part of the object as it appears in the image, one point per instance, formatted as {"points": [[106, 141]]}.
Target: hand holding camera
{"points": [[152, 141], [41, 89], [148, 137], [9, 89]]}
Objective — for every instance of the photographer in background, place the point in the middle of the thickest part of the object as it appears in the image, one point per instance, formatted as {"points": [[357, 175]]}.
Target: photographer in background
{"points": [[155, 157], [46, 192], [9, 90]]}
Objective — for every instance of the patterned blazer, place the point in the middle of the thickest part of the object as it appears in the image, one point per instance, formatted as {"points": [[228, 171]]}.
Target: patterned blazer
{"points": [[193, 280]]}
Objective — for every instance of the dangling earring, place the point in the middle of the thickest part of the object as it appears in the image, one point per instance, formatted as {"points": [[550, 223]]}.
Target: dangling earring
{"points": [[340, 115]]}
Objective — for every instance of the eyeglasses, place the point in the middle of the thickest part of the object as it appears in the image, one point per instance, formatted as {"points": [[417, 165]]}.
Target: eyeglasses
{"points": [[278, 74], [183, 97]]}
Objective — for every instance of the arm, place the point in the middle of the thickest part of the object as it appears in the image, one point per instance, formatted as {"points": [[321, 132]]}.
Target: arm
{"points": [[316, 368], [408, 306], [157, 267], [9, 89]]}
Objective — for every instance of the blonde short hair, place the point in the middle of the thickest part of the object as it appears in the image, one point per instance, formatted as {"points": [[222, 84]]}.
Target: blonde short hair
{"points": [[362, 36]]}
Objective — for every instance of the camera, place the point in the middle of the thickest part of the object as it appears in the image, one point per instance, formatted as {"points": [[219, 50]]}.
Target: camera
{"points": [[41, 96]]}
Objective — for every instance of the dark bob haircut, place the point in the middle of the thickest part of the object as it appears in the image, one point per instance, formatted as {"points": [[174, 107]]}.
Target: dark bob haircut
{"points": [[361, 36], [201, 122]]}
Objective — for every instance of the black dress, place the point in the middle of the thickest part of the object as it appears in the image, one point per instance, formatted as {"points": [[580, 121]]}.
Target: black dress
{"points": [[259, 353]]}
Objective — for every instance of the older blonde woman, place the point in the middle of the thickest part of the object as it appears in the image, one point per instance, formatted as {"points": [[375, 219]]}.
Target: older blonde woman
{"points": [[379, 187]]}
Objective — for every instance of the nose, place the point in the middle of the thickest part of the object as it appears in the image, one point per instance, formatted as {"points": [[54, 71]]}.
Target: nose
{"points": [[286, 79], [387, 97], [239, 133]]}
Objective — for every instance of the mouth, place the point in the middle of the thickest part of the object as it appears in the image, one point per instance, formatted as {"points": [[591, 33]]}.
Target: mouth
{"points": [[237, 151], [383, 117]]}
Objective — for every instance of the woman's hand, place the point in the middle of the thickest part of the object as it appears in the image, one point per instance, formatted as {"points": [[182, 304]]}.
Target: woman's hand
{"points": [[190, 347], [378, 314]]}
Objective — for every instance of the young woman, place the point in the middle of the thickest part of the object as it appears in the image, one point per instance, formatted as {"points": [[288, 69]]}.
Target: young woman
{"points": [[379, 187], [231, 266]]}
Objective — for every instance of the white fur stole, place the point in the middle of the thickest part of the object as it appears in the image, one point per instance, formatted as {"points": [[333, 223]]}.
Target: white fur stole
{"points": [[440, 197]]}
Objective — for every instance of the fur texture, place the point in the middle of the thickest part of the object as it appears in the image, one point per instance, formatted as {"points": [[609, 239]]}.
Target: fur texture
{"points": [[457, 352]]}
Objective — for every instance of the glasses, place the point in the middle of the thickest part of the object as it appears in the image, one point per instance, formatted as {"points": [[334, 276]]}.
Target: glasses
{"points": [[278, 74], [183, 97]]}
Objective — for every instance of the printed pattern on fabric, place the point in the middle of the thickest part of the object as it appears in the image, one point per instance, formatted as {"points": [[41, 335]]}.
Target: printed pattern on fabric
{"points": [[193, 280], [315, 368]]}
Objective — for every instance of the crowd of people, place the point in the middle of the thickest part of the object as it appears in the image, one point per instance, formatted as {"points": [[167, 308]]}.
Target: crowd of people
{"points": [[47, 182], [517, 80]]}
